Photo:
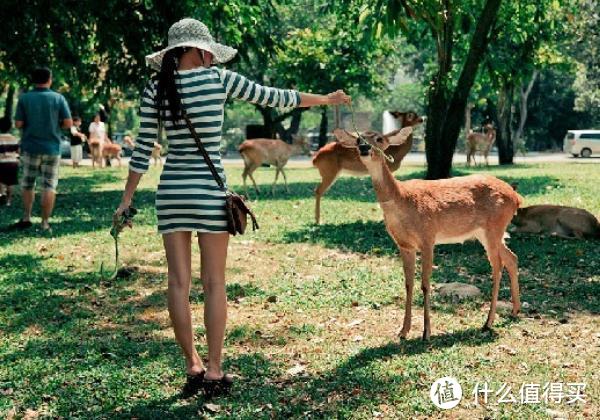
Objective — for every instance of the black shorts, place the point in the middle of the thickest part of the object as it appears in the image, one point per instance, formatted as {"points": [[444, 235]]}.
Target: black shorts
{"points": [[9, 173]]}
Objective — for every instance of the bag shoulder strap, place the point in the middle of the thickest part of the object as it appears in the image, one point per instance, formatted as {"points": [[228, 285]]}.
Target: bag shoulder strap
{"points": [[205, 155]]}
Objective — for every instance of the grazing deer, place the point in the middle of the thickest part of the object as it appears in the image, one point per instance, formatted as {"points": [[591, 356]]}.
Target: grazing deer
{"points": [[111, 151], [156, 152], [273, 152], [419, 214], [334, 157], [482, 142]]}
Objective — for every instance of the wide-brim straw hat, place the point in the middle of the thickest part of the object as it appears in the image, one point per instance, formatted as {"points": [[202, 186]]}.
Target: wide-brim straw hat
{"points": [[191, 33]]}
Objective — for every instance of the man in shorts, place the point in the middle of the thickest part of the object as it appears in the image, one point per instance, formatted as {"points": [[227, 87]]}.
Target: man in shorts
{"points": [[41, 113]]}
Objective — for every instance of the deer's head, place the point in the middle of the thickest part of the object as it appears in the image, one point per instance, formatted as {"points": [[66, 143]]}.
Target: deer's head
{"points": [[301, 143], [407, 119], [371, 143]]}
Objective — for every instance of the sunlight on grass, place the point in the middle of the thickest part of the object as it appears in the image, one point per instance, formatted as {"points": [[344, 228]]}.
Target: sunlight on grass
{"points": [[314, 310]]}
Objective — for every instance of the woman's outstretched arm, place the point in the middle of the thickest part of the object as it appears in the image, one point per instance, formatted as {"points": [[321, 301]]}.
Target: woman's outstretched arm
{"points": [[338, 97], [240, 87]]}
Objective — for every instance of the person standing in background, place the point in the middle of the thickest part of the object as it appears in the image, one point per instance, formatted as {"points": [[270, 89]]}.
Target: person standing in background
{"points": [[97, 132], [41, 113], [9, 163], [77, 139]]}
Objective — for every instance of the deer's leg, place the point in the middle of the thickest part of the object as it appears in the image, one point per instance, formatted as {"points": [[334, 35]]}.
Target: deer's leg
{"points": [[426, 268], [277, 169], [285, 180], [408, 264], [244, 176], [326, 180], [250, 171], [492, 249], [510, 261]]}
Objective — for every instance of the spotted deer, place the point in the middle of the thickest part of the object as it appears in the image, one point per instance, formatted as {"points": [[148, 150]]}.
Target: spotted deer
{"points": [[475, 142], [419, 214], [334, 158], [273, 152]]}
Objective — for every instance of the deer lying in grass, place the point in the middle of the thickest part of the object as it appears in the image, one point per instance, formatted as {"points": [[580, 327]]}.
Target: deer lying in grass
{"points": [[273, 152], [334, 157], [419, 214]]}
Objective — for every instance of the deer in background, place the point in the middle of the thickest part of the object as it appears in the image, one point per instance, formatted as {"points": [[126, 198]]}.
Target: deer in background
{"points": [[273, 152], [482, 142], [156, 154], [334, 157], [419, 214]]}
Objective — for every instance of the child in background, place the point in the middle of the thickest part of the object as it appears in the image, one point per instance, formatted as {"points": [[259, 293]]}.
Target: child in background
{"points": [[9, 162], [77, 139]]}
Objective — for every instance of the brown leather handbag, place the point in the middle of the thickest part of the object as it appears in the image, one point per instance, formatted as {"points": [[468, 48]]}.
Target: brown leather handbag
{"points": [[236, 209]]}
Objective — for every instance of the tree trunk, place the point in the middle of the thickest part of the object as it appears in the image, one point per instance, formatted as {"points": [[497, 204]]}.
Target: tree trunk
{"points": [[323, 127], [286, 134], [504, 133], [523, 107], [268, 122], [8, 105], [446, 108]]}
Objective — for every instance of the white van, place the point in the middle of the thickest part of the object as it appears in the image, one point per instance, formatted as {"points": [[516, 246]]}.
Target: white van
{"points": [[582, 143]]}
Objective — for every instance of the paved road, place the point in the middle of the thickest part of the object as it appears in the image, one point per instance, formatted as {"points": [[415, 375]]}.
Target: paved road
{"points": [[416, 159]]}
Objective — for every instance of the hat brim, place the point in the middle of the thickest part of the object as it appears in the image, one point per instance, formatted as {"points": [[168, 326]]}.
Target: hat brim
{"points": [[221, 53]]}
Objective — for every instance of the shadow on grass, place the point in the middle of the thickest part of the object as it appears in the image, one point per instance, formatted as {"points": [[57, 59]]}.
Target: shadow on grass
{"points": [[268, 391], [554, 273]]}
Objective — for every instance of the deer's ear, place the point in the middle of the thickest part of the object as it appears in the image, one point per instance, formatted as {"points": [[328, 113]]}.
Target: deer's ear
{"points": [[398, 137], [345, 137], [397, 114]]}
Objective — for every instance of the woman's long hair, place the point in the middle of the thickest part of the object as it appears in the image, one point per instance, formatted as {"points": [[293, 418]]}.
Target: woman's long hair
{"points": [[167, 88]]}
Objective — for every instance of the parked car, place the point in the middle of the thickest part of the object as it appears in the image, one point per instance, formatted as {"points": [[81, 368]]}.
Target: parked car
{"points": [[582, 143]]}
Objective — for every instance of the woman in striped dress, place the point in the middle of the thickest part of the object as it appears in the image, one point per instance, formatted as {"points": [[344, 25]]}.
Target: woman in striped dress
{"points": [[188, 198]]}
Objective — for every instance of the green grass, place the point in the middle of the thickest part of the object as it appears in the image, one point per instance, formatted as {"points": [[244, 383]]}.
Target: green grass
{"points": [[327, 298]]}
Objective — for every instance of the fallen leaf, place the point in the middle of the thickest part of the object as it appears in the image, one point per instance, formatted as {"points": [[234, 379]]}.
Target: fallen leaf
{"points": [[212, 408], [296, 370], [354, 323]]}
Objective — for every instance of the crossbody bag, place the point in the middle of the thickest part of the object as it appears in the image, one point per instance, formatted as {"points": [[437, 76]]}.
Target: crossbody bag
{"points": [[235, 207]]}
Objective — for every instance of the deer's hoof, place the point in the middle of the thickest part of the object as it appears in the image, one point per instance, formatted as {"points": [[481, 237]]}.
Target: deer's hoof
{"points": [[487, 328], [402, 335]]}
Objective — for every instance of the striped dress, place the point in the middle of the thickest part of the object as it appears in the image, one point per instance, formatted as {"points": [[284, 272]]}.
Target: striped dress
{"points": [[188, 198]]}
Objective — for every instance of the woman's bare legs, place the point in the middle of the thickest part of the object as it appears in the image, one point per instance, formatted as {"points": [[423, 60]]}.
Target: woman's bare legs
{"points": [[213, 254], [179, 259]]}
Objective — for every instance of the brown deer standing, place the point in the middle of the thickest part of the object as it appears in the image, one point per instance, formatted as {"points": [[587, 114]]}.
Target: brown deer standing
{"points": [[273, 152], [482, 142], [334, 157], [419, 214]]}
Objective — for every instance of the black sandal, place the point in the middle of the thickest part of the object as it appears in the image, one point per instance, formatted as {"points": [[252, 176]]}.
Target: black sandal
{"points": [[193, 385], [217, 387]]}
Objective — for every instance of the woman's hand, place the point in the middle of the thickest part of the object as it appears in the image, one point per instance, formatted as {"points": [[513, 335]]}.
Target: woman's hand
{"points": [[118, 216], [338, 97]]}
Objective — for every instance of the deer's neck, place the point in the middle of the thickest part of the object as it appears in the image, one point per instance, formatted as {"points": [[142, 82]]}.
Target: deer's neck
{"points": [[386, 186], [295, 149]]}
